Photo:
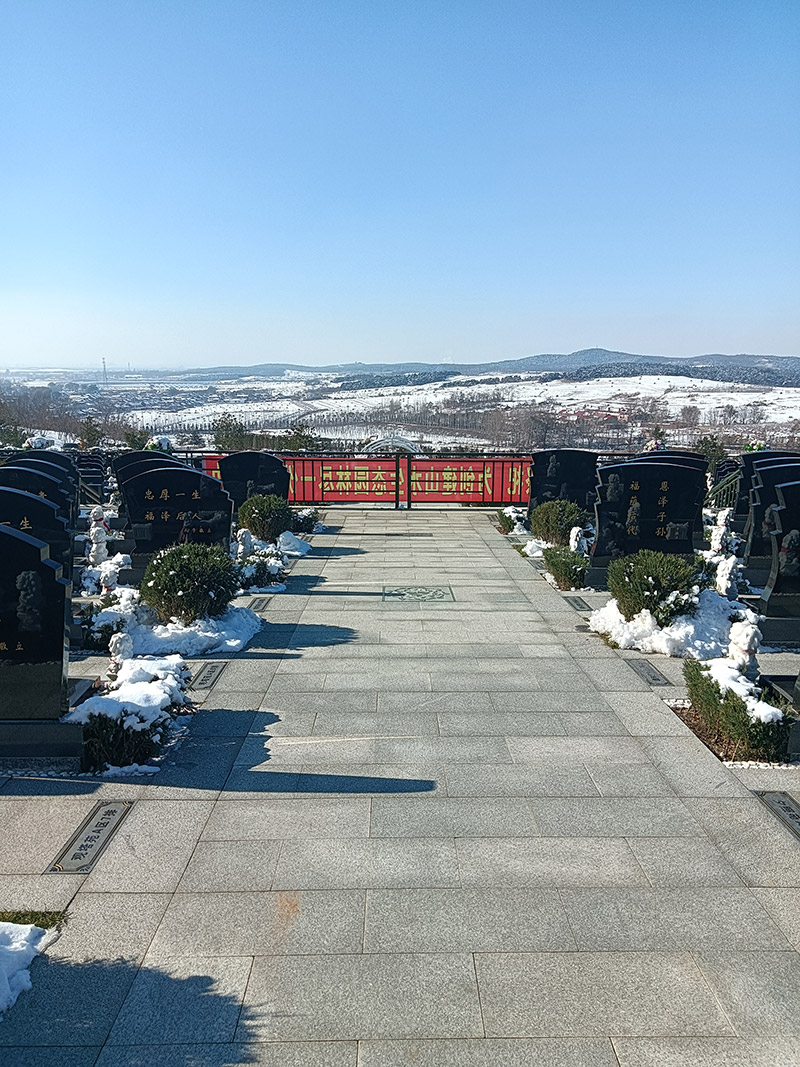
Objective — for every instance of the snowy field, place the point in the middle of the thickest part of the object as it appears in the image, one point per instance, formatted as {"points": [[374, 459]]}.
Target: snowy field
{"points": [[274, 401]]}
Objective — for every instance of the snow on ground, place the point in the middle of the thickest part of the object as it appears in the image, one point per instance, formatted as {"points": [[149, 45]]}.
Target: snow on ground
{"points": [[19, 946], [141, 695], [282, 399], [229, 633], [292, 545], [535, 548], [704, 635]]}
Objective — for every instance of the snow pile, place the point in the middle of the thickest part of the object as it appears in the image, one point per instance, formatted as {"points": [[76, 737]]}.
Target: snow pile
{"points": [[535, 548], [104, 577], [19, 945], [141, 695], [728, 677], [291, 545], [229, 633], [704, 635], [519, 516]]}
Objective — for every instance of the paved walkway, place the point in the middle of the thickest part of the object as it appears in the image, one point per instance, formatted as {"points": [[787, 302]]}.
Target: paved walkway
{"points": [[444, 832]]}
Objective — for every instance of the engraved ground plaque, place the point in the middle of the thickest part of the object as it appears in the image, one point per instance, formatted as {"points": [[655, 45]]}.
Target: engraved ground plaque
{"points": [[577, 602], [583, 627], [259, 603], [206, 674], [418, 592], [537, 564], [784, 806], [648, 672], [399, 533], [91, 839]]}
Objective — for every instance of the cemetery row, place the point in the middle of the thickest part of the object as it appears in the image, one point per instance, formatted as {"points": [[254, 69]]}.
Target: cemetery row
{"points": [[655, 501], [152, 501]]}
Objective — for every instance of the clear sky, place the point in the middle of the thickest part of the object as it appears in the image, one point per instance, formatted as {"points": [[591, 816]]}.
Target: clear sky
{"points": [[199, 182]]}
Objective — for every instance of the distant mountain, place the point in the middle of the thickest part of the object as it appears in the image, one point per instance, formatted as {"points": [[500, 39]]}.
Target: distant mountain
{"points": [[575, 366]]}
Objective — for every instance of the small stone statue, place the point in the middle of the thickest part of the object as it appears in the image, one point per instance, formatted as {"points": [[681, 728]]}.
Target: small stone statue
{"points": [[245, 549], [120, 647], [745, 637], [98, 536]]}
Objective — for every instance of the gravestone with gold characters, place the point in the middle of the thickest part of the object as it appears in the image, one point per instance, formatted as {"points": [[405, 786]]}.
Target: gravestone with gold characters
{"points": [[171, 504], [646, 504], [39, 518]]}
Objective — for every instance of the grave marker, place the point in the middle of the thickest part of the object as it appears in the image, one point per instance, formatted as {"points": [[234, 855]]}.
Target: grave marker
{"points": [[563, 474], [246, 474]]}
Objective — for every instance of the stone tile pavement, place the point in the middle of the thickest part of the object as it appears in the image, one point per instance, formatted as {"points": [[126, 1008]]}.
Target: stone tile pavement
{"points": [[441, 832]]}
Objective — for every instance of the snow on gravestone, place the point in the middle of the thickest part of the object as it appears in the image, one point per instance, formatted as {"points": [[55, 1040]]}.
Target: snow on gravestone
{"points": [[176, 503], [34, 646], [246, 474], [563, 474], [646, 505], [39, 518]]}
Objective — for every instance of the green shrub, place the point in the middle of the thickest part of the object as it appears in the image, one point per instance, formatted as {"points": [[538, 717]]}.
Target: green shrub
{"points": [[727, 723], [567, 567], [108, 743], [266, 517], [189, 582], [304, 521], [505, 522], [666, 585], [554, 520]]}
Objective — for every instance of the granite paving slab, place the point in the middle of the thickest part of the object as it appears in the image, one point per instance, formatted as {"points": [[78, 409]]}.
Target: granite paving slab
{"points": [[458, 833]]}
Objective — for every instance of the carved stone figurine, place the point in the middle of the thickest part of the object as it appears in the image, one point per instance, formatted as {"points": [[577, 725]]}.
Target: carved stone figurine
{"points": [[120, 647], [245, 549], [745, 637], [98, 553]]}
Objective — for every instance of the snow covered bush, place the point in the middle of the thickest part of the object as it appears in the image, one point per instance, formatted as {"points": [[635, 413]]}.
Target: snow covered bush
{"points": [[304, 521], [130, 722], [553, 521], [666, 585], [266, 517], [505, 521], [735, 719], [567, 567], [263, 567], [190, 582]]}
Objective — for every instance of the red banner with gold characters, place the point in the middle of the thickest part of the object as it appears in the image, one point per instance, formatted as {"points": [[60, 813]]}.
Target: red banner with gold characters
{"points": [[403, 480]]}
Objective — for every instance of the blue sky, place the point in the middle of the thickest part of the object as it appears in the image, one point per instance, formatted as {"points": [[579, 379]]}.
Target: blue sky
{"points": [[201, 182]]}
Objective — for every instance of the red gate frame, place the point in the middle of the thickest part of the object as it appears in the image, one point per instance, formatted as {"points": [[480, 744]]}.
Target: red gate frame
{"points": [[404, 480]]}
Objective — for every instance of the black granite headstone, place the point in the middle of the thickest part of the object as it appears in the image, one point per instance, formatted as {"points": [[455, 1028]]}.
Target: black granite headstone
{"points": [[781, 596], [43, 485], [60, 459], [34, 631], [161, 501], [246, 474], [748, 460], [564, 474], [646, 505], [68, 480], [767, 474], [125, 459], [41, 519]]}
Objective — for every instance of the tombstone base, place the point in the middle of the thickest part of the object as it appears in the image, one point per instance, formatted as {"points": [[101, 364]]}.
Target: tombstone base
{"points": [[23, 738], [596, 578], [780, 631]]}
